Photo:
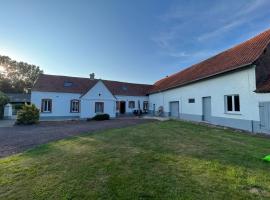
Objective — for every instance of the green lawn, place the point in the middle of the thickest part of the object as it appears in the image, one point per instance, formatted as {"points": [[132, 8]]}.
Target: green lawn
{"points": [[160, 160]]}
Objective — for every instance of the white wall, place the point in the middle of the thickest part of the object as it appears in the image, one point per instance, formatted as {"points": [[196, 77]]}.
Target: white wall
{"points": [[132, 98], [60, 103], [99, 93], [241, 82]]}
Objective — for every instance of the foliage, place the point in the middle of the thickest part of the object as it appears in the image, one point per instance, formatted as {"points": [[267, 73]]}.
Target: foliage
{"points": [[160, 160], [3, 101], [137, 112], [17, 77], [29, 114], [101, 117]]}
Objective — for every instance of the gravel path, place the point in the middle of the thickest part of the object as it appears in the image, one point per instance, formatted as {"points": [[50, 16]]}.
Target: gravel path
{"points": [[20, 138]]}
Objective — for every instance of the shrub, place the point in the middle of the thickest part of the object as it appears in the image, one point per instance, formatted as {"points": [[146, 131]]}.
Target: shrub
{"points": [[101, 117], [29, 114], [3, 101]]}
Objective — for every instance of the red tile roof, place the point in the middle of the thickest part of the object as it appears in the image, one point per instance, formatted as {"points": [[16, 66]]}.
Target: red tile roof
{"points": [[237, 57], [264, 87], [54, 83]]}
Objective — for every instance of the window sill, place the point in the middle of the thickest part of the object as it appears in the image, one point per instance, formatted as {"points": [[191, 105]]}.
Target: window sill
{"points": [[232, 113]]}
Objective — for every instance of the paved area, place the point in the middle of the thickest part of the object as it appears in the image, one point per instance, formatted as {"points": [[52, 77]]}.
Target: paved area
{"points": [[6, 123], [19, 138]]}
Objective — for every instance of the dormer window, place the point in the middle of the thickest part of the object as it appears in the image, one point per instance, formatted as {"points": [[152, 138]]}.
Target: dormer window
{"points": [[68, 84]]}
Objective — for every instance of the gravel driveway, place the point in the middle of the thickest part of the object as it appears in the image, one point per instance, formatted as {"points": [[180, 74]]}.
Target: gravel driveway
{"points": [[19, 138]]}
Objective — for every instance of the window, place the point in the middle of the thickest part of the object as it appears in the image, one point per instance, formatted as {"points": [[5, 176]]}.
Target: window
{"points": [[117, 105], [191, 100], [74, 106], [145, 105], [232, 103], [67, 84], [131, 104], [46, 105], [99, 107]]}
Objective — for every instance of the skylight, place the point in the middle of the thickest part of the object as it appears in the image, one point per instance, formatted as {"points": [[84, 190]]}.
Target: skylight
{"points": [[68, 84]]}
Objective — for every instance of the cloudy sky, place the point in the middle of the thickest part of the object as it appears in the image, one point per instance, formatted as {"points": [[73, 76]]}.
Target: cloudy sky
{"points": [[126, 40]]}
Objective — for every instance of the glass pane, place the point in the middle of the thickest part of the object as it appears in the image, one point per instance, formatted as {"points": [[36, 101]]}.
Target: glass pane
{"points": [[229, 103], [237, 103]]}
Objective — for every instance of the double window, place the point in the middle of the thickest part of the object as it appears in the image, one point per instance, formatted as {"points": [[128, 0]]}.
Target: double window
{"points": [[131, 104], [74, 106], [99, 107], [232, 103], [46, 105]]}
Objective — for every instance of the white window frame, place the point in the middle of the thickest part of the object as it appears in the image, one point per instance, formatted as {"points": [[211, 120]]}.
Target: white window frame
{"points": [[97, 111], [233, 104], [45, 105], [75, 106]]}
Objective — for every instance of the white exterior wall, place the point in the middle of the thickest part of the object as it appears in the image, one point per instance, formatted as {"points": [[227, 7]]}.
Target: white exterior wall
{"points": [[99, 93], [132, 98], [241, 82], [60, 103]]}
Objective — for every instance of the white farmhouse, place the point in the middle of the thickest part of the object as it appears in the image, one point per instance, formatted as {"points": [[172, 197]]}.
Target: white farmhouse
{"points": [[72, 97], [230, 89]]}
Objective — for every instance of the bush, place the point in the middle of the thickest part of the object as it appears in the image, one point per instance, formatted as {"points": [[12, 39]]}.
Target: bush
{"points": [[29, 114], [137, 112], [101, 117], [3, 101]]}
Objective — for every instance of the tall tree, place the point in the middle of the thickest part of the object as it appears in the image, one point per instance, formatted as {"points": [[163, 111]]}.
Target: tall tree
{"points": [[17, 76]]}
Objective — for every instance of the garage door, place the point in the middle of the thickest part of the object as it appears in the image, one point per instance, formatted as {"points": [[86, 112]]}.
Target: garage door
{"points": [[174, 109], [264, 116]]}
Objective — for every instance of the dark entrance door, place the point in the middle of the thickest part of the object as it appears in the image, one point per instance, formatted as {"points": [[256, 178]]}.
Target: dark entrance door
{"points": [[122, 107]]}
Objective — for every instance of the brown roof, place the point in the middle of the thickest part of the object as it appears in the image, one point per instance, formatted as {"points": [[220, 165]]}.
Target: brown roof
{"points": [[66, 84], [237, 57]]}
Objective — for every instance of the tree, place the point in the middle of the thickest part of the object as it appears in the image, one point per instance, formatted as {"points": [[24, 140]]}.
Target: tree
{"points": [[3, 101], [17, 76]]}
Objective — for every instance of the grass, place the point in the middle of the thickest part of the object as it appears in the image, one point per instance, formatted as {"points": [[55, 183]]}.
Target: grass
{"points": [[160, 160]]}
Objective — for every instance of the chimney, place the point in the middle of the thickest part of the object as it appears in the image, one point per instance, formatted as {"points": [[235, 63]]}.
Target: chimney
{"points": [[92, 76]]}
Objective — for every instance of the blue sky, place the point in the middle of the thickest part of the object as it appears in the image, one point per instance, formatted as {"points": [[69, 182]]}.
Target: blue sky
{"points": [[126, 40]]}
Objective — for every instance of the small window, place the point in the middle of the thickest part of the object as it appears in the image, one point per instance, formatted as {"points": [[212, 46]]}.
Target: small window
{"points": [[74, 106], [131, 104], [145, 105], [191, 100], [99, 107], [67, 84], [232, 103], [46, 105]]}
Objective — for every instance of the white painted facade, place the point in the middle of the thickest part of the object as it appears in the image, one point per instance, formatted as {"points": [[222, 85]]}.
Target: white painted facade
{"points": [[99, 93], [60, 103]]}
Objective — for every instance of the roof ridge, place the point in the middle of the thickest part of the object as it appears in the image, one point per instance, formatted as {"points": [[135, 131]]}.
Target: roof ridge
{"points": [[238, 56]]}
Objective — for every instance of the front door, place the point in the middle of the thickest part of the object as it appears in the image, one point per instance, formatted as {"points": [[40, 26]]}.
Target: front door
{"points": [[122, 107], [207, 111]]}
